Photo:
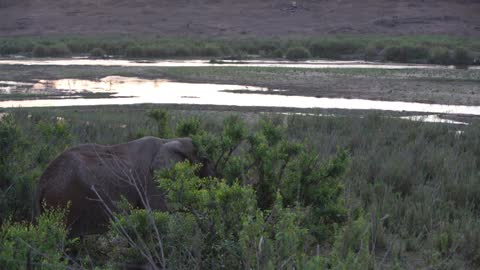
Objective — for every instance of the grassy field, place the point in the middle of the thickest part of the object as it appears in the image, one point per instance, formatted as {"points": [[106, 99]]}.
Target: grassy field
{"points": [[416, 183], [407, 49], [409, 198]]}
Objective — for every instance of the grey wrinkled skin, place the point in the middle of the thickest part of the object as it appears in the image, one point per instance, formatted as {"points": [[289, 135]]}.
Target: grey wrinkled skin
{"points": [[89, 178]]}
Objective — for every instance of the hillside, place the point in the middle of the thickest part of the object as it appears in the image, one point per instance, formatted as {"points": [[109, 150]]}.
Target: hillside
{"points": [[227, 18]]}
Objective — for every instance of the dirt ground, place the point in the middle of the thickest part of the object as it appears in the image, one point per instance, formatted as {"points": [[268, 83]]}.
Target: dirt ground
{"points": [[230, 18]]}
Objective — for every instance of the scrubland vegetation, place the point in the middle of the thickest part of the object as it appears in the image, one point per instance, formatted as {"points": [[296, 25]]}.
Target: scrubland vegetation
{"points": [[296, 192], [417, 49]]}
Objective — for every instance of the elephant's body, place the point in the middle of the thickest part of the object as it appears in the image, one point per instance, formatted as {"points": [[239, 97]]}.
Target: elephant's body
{"points": [[89, 178]]}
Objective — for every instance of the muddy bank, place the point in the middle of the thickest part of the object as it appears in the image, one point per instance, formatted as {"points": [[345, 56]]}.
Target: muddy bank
{"points": [[452, 87], [305, 64]]}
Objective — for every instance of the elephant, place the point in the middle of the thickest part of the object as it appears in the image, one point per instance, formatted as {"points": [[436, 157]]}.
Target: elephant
{"points": [[88, 179]]}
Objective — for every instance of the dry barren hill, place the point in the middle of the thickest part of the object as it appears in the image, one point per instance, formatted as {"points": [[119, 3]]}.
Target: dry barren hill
{"points": [[239, 17]]}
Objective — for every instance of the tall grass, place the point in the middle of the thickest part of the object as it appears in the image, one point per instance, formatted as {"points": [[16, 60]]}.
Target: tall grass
{"points": [[417, 182]]}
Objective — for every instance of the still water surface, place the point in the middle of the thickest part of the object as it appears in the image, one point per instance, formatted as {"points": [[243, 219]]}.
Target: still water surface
{"points": [[226, 63], [128, 90]]}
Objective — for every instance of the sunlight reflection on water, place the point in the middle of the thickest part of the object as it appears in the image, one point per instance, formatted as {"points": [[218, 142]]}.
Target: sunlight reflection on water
{"points": [[127, 90], [225, 63]]}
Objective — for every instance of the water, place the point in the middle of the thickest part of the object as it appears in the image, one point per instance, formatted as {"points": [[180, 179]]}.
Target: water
{"points": [[226, 63], [127, 90], [432, 118]]}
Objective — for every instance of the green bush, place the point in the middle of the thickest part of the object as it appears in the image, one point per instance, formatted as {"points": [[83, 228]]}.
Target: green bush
{"points": [[333, 49], [210, 50], [406, 53], [111, 47], [14, 187], [351, 249], [40, 51], [462, 56], [325, 47], [297, 53], [98, 52], [278, 53], [134, 51], [267, 48], [220, 150], [57, 50], [155, 52], [160, 239], [321, 50], [470, 245], [182, 51], [292, 204], [275, 241], [40, 246], [212, 224], [188, 127], [440, 56], [234, 229], [217, 208], [22, 161], [161, 119], [371, 52], [446, 240], [273, 164], [10, 47], [55, 138]]}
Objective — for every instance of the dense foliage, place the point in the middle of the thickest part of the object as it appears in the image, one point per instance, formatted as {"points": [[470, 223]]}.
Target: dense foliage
{"points": [[39, 246], [22, 160], [297, 53], [404, 195], [275, 194], [414, 49]]}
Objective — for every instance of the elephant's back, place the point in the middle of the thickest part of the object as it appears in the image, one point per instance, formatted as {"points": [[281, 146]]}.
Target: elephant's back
{"points": [[56, 180], [88, 163], [60, 167]]}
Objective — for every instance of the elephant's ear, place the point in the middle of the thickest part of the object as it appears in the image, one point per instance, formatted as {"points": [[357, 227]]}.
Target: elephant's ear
{"points": [[169, 154]]}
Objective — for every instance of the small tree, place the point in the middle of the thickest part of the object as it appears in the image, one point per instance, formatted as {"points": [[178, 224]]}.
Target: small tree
{"points": [[188, 127], [40, 51], [98, 52], [43, 246], [440, 56], [161, 119], [15, 180]]}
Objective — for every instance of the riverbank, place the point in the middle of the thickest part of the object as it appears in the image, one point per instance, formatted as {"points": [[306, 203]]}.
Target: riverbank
{"points": [[445, 86]]}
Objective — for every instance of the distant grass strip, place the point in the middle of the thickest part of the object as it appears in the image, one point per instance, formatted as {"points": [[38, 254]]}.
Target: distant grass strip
{"points": [[405, 49]]}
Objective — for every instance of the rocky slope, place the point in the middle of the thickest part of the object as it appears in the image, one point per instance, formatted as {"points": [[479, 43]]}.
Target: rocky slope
{"points": [[226, 18]]}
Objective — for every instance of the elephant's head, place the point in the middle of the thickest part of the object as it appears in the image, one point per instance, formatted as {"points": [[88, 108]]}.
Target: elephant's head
{"points": [[207, 168], [178, 150]]}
